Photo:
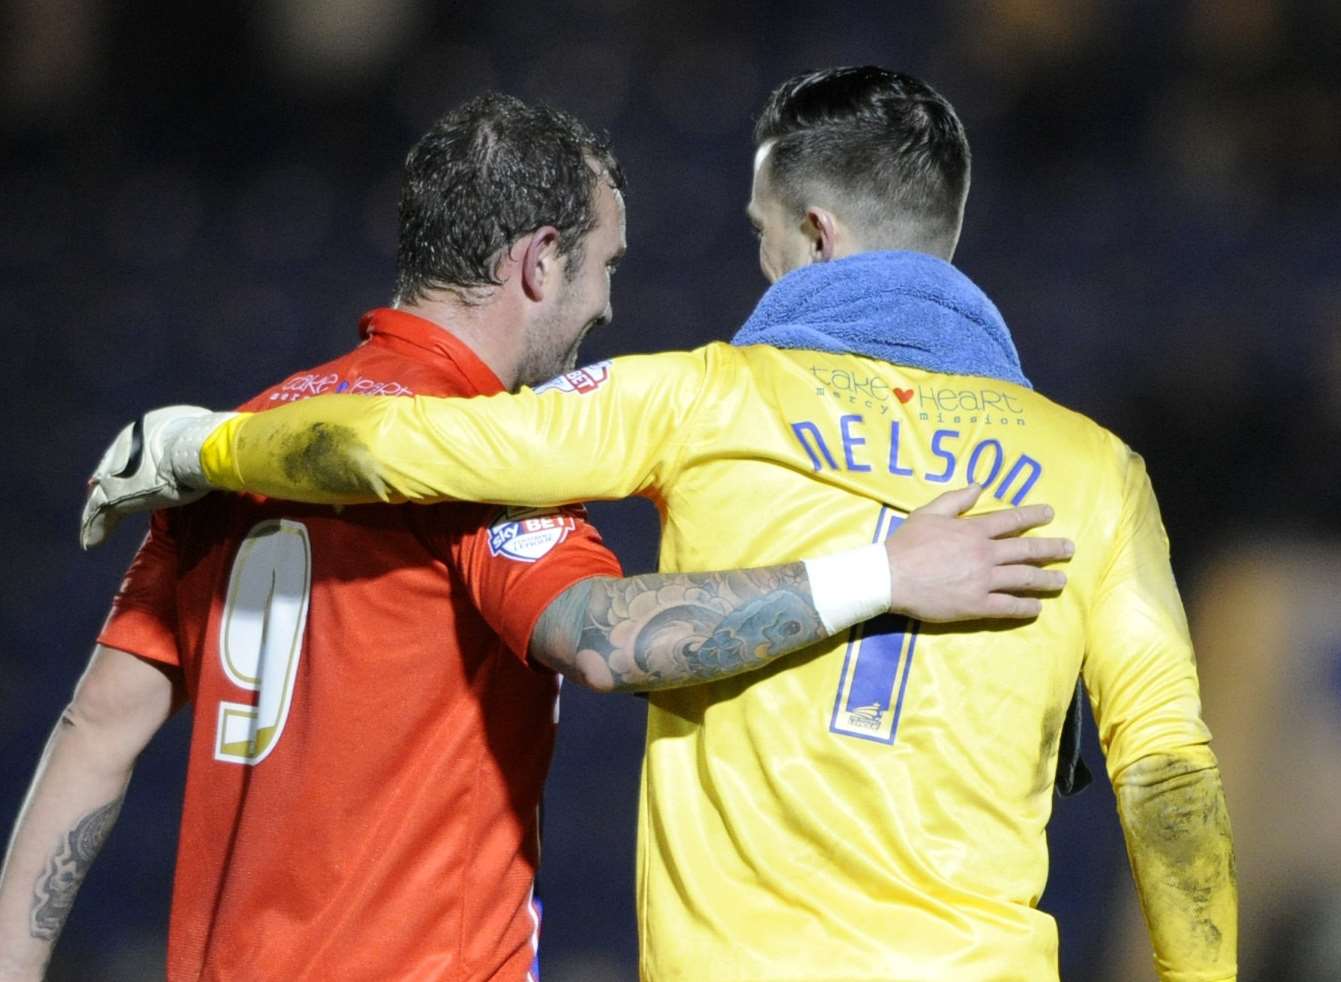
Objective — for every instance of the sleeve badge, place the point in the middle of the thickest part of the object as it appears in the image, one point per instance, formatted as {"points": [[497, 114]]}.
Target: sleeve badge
{"points": [[528, 534]]}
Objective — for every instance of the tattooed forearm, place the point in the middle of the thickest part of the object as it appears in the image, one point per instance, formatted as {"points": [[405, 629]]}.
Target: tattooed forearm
{"points": [[54, 893], [663, 630]]}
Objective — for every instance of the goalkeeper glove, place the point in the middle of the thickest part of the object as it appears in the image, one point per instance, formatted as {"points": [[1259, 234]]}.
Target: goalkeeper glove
{"points": [[153, 463]]}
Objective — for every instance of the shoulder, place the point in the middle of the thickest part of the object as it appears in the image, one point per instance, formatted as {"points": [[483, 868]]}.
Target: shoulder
{"points": [[692, 360], [666, 375], [1101, 451], [366, 370]]}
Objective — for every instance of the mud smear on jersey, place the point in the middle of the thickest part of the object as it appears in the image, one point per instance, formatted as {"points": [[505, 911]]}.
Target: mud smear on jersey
{"points": [[1046, 777], [330, 459], [1179, 836]]}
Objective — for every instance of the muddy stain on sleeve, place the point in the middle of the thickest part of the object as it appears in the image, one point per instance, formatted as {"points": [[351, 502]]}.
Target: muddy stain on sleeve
{"points": [[1182, 854], [321, 462]]}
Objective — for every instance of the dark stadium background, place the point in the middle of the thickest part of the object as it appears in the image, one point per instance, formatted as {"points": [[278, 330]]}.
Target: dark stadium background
{"points": [[198, 198]]}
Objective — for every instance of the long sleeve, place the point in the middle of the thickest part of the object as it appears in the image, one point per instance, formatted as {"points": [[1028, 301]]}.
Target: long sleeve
{"points": [[1141, 673], [614, 436]]}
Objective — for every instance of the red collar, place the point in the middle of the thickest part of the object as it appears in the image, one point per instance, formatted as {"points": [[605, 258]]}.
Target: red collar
{"points": [[427, 338]]}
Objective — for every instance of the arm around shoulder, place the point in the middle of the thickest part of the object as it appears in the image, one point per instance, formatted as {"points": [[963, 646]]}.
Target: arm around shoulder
{"points": [[560, 443]]}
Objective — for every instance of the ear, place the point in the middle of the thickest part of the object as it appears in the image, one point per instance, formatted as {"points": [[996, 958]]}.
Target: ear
{"points": [[539, 260], [821, 229]]}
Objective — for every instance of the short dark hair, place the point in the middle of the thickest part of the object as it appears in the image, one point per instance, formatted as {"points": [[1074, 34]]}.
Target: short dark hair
{"points": [[485, 174], [888, 144]]}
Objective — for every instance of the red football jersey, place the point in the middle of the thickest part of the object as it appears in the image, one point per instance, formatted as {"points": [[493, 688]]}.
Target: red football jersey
{"points": [[369, 740]]}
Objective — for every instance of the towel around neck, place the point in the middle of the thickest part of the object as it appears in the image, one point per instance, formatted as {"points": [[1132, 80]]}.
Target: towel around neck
{"points": [[907, 308]]}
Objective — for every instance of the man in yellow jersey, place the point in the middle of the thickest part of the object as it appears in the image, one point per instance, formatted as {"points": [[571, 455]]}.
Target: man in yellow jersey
{"points": [[874, 808]]}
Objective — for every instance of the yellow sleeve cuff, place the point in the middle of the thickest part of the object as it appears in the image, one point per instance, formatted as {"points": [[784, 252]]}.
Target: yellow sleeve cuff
{"points": [[217, 460]]}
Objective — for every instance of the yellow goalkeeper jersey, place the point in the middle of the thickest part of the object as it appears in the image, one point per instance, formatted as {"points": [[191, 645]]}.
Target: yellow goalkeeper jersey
{"points": [[872, 808]]}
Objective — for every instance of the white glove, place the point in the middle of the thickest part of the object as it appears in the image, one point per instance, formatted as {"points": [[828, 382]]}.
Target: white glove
{"points": [[153, 463]]}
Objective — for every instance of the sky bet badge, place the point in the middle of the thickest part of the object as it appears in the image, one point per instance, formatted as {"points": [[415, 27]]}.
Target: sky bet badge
{"points": [[579, 381], [528, 534]]}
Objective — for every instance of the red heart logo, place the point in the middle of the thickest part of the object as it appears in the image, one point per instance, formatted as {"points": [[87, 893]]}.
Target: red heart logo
{"points": [[904, 394]]}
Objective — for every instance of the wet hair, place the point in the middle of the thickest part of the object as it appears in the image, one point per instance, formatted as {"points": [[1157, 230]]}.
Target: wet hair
{"points": [[883, 148], [485, 174]]}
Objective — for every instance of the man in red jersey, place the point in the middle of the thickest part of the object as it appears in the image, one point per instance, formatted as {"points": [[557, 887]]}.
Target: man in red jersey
{"points": [[373, 689]]}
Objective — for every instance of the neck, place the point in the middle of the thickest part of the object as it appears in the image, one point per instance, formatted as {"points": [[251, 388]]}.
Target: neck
{"points": [[850, 245], [489, 328]]}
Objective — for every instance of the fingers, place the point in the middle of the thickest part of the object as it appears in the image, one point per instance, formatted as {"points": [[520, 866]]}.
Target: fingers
{"points": [[96, 528], [98, 520], [952, 503], [117, 457], [1013, 521], [1006, 606], [89, 536], [1031, 549], [1026, 579]]}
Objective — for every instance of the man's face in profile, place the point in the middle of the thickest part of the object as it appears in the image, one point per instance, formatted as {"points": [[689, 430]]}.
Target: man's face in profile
{"points": [[783, 245], [583, 294]]}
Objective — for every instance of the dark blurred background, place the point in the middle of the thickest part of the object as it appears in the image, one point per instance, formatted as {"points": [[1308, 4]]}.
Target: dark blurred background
{"points": [[197, 199]]}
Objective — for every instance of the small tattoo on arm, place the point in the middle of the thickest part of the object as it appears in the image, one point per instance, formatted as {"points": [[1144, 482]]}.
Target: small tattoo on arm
{"points": [[54, 893]]}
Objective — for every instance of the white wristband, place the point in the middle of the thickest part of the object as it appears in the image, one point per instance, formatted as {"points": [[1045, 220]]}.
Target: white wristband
{"points": [[850, 587]]}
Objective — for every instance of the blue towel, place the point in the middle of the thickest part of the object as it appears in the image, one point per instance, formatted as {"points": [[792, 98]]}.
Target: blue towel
{"points": [[907, 308]]}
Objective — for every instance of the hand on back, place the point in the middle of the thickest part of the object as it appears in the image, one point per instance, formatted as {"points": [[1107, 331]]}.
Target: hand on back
{"points": [[945, 567]]}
